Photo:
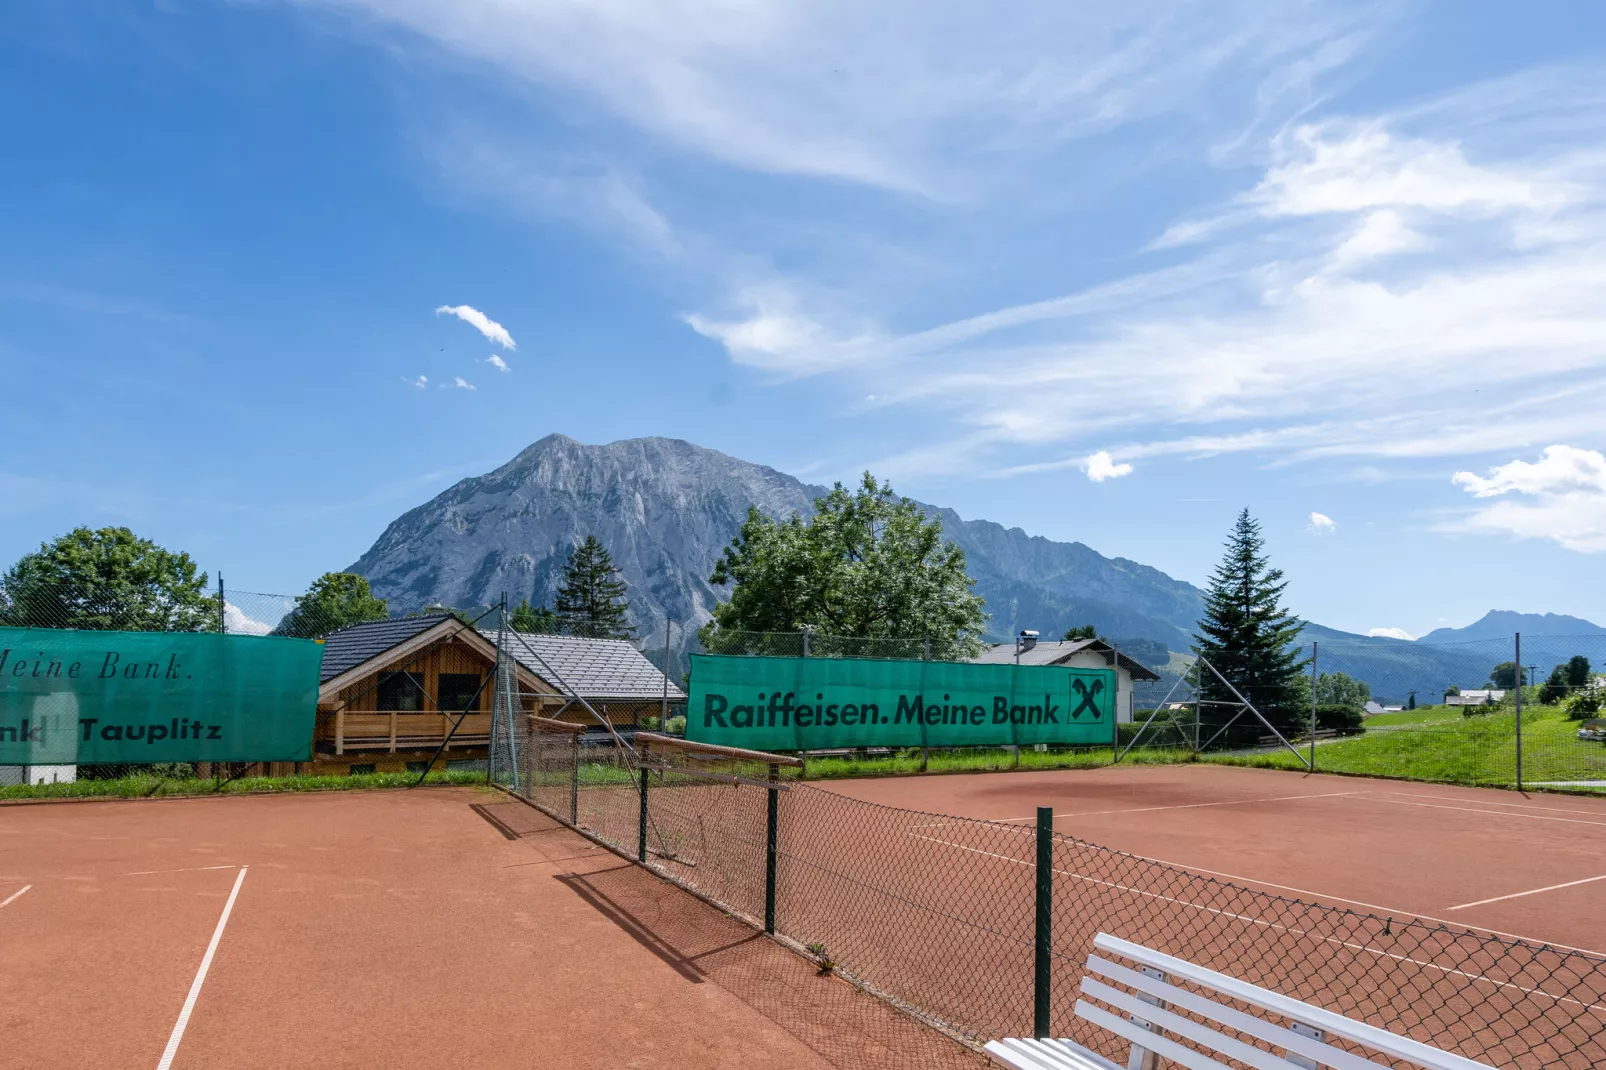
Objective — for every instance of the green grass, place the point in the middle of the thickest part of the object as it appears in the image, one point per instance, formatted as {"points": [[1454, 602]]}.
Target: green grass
{"points": [[1461, 750], [146, 786], [1417, 716]]}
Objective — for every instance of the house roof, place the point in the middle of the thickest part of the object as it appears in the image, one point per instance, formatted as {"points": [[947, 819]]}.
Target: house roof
{"points": [[350, 647], [593, 668], [1055, 652]]}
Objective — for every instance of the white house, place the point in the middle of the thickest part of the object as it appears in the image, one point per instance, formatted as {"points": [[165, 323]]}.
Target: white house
{"points": [[1474, 698], [1075, 654]]}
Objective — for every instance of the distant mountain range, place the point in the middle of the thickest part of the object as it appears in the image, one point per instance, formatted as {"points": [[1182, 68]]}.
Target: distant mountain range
{"points": [[666, 508], [1503, 624]]}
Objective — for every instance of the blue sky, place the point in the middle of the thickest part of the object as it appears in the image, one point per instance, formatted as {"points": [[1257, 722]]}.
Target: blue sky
{"points": [[1108, 272]]}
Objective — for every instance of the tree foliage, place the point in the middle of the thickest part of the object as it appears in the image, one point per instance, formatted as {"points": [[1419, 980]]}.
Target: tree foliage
{"points": [[1335, 689], [867, 564], [1503, 677], [591, 599], [335, 600], [108, 578], [1083, 631], [528, 618], [1249, 638], [1578, 671]]}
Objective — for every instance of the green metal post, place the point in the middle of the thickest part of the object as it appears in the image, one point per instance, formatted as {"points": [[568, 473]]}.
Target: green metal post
{"points": [[770, 852], [1043, 972]]}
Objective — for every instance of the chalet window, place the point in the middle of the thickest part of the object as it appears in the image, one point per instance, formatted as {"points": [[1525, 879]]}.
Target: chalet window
{"points": [[460, 690], [402, 691]]}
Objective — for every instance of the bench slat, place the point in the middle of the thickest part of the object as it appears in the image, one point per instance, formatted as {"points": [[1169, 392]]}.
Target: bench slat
{"points": [[1185, 1027], [1260, 1028], [1371, 1036], [1047, 1055], [1163, 1046]]}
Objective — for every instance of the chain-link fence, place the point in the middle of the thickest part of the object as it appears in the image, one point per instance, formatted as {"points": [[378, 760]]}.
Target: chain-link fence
{"points": [[1517, 711], [937, 913]]}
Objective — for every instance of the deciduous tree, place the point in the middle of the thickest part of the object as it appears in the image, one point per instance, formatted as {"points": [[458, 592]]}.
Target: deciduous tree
{"points": [[867, 564], [108, 578]]}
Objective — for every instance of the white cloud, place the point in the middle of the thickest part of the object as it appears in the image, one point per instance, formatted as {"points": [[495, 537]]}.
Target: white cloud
{"points": [[1321, 523], [879, 94], [421, 382], [1101, 466], [1561, 497], [1390, 633], [497, 362], [491, 329], [458, 383], [1355, 167], [237, 623], [1381, 234]]}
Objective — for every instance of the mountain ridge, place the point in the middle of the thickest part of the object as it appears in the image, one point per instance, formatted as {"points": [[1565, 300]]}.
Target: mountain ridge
{"points": [[666, 508]]}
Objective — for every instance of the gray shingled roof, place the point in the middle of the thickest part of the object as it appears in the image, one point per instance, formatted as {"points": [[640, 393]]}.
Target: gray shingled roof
{"points": [[1055, 651], [350, 647], [594, 668]]}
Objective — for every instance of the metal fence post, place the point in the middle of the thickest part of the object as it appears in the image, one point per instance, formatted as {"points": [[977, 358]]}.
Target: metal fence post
{"points": [[1043, 972], [574, 779], [641, 831], [222, 606], [1517, 660], [1313, 679], [771, 831]]}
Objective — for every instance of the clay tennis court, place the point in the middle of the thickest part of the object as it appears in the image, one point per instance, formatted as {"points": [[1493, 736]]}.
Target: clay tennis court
{"points": [[457, 927], [1520, 865], [439, 928]]}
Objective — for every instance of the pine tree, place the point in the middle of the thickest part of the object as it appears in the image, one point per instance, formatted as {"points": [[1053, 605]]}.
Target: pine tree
{"points": [[1249, 639], [591, 599], [528, 618]]}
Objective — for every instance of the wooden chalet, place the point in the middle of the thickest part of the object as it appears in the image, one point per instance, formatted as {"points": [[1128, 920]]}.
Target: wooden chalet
{"points": [[391, 690]]}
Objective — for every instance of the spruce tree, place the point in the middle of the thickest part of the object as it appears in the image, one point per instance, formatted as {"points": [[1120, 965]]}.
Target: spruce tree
{"points": [[591, 599], [1249, 639], [528, 618]]}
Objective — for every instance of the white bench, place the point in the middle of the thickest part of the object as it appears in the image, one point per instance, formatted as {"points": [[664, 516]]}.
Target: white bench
{"points": [[1139, 1012]]}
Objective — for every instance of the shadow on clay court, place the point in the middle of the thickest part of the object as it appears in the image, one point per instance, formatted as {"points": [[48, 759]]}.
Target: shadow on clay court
{"points": [[843, 1025]]}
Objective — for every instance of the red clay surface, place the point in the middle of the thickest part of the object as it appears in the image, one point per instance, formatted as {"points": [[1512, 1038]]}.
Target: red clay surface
{"points": [[1384, 847], [392, 929]]}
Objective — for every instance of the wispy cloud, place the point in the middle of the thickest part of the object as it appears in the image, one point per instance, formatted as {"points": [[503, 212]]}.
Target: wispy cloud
{"points": [[420, 382], [1320, 524], [879, 94], [497, 362], [1560, 497], [1390, 633], [491, 329], [458, 383]]}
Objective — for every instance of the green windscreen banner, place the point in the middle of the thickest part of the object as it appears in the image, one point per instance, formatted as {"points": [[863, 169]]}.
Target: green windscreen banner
{"points": [[820, 703], [82, 697]]}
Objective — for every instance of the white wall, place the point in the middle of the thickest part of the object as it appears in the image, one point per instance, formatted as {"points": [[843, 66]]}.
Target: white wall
{"points": [[1090, 659]]}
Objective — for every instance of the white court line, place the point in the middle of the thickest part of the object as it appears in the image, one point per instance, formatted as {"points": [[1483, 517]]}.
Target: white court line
{"points": [[1187, 806], [1531, 891], [189, 869], [1496, 813], [1492, 802], [200, 978], [15, 895], [1599, 1007], [1392, 911]]}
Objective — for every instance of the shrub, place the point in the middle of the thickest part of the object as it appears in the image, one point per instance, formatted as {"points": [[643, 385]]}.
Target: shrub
{"points": [[675, 726], [1583, 706], [1343, 718]]}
